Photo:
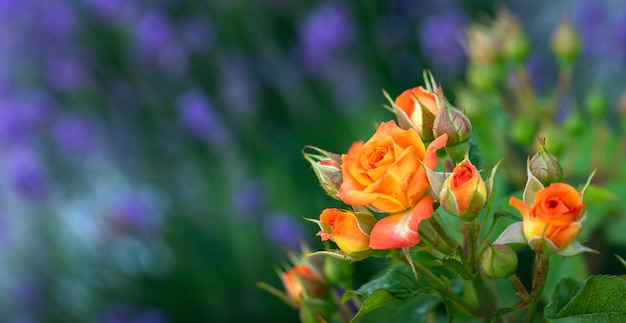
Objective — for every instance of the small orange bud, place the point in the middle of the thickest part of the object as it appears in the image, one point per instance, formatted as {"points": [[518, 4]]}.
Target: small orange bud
{"points": [[302, 282], [464, 193], [350, 231], [421, 107]]}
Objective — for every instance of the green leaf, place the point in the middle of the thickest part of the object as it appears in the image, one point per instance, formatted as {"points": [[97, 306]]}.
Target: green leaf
{"points": [[377, 299], [414, 309], [596, 195], [395, 282], [597, 299]]}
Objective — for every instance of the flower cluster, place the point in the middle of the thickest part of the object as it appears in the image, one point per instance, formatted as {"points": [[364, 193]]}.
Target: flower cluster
{"points": [[412, 177]]}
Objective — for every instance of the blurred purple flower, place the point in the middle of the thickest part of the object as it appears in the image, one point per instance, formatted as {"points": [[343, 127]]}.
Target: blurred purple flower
{"points": [[152, 32], [21, 115], [74, 133], [26, 173], [541, 71], [198, 35], [590, 17], [122, 313], [107, 9], [56, 18], [348, 80], [326, 30], [27, 293], [135, 213], [150, 316], [65, 72], [439, 36], [619, 30], [196, 115], [238, 88], [285, 230], [249, 199]]}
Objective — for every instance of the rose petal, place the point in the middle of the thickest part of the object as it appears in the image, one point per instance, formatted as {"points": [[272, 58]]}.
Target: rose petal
{"points": [[400, 230]]}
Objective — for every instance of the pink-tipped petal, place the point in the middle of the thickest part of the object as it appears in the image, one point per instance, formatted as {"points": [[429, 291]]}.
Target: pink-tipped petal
{"points": [[400, 230]]}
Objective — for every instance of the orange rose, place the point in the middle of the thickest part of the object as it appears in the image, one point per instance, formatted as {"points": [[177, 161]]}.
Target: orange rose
{"points": [[348, 230], [555, 215], [420, 106], [302, 282], [464, 193], [387, 173]]}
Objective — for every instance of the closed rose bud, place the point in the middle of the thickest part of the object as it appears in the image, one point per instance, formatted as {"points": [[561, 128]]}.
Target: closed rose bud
{"points": [[350, 231], [453, 123], [303, 282], [499, 261], [421, 107], [544, 166], [555, 214], [566, 44], [327, 169], [464, 193]]}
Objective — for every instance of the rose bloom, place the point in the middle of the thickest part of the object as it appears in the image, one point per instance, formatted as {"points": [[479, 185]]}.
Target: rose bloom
{"points": [[387, 173], [464, 193], [555, 214], [345, 230], [411, 102], [302, 282]]}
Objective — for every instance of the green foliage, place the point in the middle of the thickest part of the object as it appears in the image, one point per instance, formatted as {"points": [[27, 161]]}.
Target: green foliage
{"points": [[597, 299]]}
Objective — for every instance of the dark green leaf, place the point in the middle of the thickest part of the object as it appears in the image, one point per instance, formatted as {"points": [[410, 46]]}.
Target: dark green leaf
{"points": [[395, 282], [412, 309], [597, 299], [377, 299]]}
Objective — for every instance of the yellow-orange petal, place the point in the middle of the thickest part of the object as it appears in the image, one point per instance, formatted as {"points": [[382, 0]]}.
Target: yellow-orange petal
{"points": [[400, 230], [523, 209]]}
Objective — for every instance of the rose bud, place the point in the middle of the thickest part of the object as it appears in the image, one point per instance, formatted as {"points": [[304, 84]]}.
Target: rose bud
{"points": [[350, 231], [555, 214], [453, 123], [499, 261], [544, 166], [566, 44], [420, 107], [327, 169], [303, 282], [464, 193]]}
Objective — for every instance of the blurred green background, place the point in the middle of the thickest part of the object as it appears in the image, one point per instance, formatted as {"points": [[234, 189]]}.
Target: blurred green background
{"points": [[150, 150]]}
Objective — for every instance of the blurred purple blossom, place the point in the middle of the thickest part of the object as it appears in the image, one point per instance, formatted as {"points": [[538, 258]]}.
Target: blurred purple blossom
{"points": [[541, 71], [590, 18], [285, 230], [249, 199], [65, 72], [619, 30], [439, 36], [325, 31], [57, 17], [197, 116], [135, 213], [26, 173], [152, 31], [198, 35], [348, 80], [239, 90], [108, 9], [122, 313], [21, 115], [74, 133], [27, 293]]}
